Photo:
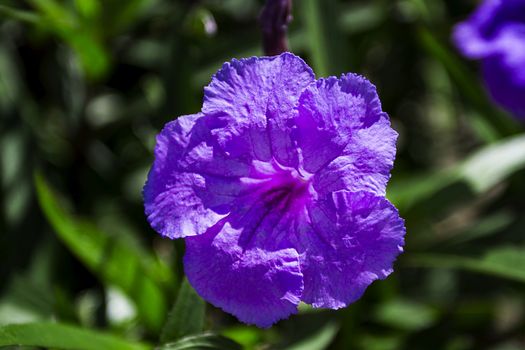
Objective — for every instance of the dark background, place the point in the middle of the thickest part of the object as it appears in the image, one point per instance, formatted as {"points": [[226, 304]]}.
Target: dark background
{"points": [[85, 85]]}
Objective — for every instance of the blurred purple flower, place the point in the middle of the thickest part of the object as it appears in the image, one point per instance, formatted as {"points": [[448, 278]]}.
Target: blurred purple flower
{"points": [[278, 186], [495, 34]]}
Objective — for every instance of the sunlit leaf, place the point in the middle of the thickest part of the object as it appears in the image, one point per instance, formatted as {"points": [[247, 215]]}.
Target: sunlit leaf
{"points": [[56, 13], [247, 336], [88, 8], [481, 171], [93, 56], [494, 163], [59, 336]]}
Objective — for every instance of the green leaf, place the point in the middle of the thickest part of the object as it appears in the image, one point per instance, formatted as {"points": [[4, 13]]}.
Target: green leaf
{"points": [[202, 342], [320, 340], [59, 336], [19, 15], [56, 13], [93, 55], [489, 225], [80, 35], [111, 258], [381, 342], [509, 260], [481, 171], [505, 262], [247, 336], [187, 315], [406, 192], [405, 315], [88, 8]]}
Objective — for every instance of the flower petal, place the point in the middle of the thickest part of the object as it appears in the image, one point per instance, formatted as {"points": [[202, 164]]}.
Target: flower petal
{"points": [[256, 285], [481, 35], [365, 164], [344, 136], [351, 240], [470, 38], [250, 103], [506, 84], [189, 186]]}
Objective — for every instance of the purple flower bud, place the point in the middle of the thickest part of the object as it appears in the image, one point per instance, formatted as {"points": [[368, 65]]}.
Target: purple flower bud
{"points": [[279, 186], [495, 34], [274, 19]]}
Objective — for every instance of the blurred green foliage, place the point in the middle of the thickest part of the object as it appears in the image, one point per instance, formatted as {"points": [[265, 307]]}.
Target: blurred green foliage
{"points": [[85, 85]]}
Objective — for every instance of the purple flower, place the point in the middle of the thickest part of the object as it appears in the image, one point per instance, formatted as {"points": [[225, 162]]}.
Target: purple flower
{"points": [[278, 186], [495, 34]]}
